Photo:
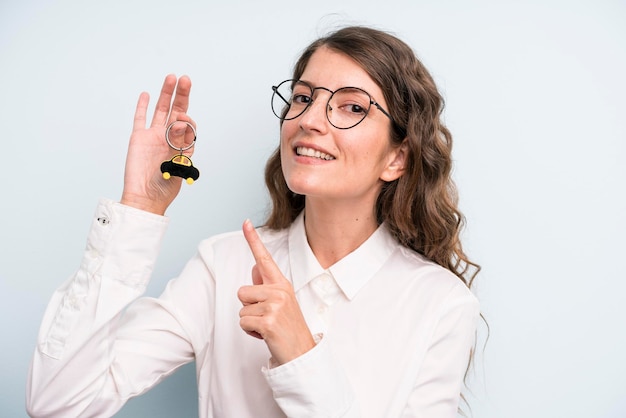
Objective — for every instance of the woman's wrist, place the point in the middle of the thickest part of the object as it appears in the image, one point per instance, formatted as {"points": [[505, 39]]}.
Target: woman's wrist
{"points": [[143, 203]]}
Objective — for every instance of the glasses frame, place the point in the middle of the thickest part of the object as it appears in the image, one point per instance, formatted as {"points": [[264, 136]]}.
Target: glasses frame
{"points": [[332, 93]]}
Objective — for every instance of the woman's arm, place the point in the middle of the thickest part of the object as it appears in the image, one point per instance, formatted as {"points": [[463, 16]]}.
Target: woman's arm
{"points": [[75, 360], [75, 347]]}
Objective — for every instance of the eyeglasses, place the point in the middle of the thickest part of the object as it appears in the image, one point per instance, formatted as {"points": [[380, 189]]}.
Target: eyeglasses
{"points": [[346, 107]]}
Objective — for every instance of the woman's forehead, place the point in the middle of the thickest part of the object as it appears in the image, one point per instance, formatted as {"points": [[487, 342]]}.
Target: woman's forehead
{"points": [[333, 70]]}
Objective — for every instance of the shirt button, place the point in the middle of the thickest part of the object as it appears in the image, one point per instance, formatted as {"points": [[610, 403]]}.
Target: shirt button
{"points": [[322, 310]]}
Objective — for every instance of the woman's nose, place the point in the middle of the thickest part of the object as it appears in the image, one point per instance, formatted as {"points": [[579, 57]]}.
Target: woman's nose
{"points": [[314, 117]]}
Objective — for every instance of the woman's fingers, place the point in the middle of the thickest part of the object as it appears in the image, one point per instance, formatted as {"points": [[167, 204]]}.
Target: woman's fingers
{"points": [[162, 108], [266, 269], [166, 110], [181, 100], [139, 121]]}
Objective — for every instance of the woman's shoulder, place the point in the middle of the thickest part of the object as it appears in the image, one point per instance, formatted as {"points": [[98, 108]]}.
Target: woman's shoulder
{"points": [[420, 272]]}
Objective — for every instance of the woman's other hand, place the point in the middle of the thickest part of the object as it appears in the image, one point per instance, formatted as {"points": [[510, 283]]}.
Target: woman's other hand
{"points": [[144, 186], [270, 309]]}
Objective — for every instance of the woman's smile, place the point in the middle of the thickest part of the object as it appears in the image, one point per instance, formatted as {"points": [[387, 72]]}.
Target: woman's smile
{"points": [[310, 152]]}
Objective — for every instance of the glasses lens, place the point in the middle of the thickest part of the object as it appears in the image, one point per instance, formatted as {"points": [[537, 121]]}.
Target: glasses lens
{"points": [[290, 99], [348, 106]]}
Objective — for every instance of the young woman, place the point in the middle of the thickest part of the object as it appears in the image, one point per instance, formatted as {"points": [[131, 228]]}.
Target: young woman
{"points": [[352, 301]]}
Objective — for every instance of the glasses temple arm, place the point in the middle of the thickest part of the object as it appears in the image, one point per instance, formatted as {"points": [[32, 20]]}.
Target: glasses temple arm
{"points": [[279, 95], [400, 129]]}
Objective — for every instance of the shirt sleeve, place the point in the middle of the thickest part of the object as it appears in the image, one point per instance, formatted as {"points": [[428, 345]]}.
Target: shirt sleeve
{"points": [[79, 365], [436, 391], [312, 385]]}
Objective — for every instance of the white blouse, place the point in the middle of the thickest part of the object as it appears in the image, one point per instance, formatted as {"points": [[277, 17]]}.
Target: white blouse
{"points": [[395, 330]]}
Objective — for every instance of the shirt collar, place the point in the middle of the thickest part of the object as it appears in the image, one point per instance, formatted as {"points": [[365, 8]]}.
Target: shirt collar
{"points": [[351, 272]]}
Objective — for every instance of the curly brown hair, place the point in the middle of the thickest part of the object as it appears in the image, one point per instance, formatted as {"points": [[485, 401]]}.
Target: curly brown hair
{"points": [[420, 208]]}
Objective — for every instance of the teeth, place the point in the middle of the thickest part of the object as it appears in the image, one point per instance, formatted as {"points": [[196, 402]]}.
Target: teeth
{"points": [[310, 152]]}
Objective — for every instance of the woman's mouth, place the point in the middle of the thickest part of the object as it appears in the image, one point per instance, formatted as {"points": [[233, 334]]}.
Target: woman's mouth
{"points": [[310, 152]]}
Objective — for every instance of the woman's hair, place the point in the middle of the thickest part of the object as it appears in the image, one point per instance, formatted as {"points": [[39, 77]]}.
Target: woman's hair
{"points": [[420, 207]]}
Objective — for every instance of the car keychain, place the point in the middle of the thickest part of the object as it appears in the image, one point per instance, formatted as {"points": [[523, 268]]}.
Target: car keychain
{"points": [[180, 165]]}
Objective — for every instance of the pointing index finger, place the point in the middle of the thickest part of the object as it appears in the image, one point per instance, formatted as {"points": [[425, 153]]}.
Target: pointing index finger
{"points": [[267, 267]]}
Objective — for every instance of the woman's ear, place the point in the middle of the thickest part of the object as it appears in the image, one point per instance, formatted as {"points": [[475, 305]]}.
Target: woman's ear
{"points": [[397, 163]]}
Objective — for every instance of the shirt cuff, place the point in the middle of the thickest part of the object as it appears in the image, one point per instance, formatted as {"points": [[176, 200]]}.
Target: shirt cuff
{"points": [[126, 240], [312, 385]]}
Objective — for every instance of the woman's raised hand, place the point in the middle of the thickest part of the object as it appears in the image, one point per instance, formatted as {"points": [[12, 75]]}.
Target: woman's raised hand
{"points": [[144, 186]]}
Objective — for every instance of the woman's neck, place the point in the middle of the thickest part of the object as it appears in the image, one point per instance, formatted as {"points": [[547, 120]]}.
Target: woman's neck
{"points": [[335, 230]]}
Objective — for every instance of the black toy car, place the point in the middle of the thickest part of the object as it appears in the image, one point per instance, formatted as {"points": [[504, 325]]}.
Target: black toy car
{"points": [[180, 166]]}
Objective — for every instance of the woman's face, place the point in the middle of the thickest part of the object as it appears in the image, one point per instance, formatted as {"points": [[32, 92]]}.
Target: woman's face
{"points": [[319, 160]]}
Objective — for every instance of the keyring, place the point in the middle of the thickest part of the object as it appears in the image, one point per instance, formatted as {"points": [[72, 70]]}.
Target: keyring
{"points": [[167, 136], [180, 165]]}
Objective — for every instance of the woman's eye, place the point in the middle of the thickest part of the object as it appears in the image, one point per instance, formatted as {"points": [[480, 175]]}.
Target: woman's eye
{"points": [[351, 101], [301, 98], [355, 108]]}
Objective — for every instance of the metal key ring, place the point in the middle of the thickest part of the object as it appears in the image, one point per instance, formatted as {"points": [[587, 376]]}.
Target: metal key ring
{"points": [[167, 136]]}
